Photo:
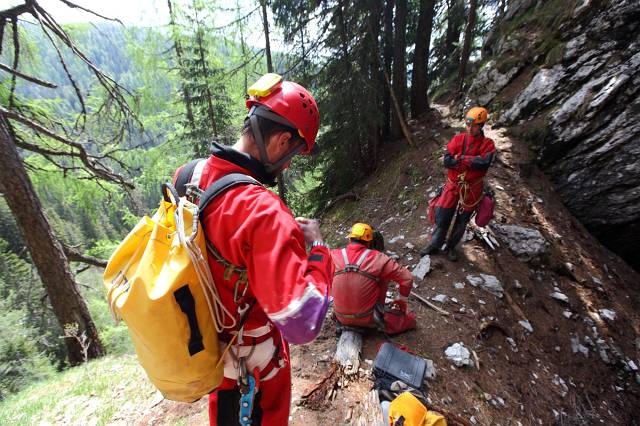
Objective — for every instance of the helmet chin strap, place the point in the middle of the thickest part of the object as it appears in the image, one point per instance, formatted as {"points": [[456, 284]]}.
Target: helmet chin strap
{"points": [[257, 136]]}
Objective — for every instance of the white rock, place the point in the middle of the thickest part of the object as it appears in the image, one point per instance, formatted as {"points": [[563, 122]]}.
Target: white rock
{"points": [[430, 371], [422, 268], [440, 298], [459, 355], [458, 286], [567, 314], [632, 365], [608, 314], [396, 239], [521, 241], [482, 302], [576, 347], [486, 282], [409, 246], [559, 296], [527, 325]]}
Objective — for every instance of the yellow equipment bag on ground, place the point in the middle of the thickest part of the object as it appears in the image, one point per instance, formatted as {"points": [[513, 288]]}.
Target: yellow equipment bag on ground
{"points": [[412, 412], [158, 281]]}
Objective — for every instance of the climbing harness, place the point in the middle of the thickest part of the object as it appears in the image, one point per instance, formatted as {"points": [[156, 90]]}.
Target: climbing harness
{"points": [[355, 267]]}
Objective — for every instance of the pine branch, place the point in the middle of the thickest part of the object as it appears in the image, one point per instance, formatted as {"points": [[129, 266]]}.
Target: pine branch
{"points": [[29, 78]]}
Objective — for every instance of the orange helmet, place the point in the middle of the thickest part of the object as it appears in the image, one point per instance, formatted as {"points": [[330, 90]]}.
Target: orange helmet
{"points": [[361, 231], [476, 115]]}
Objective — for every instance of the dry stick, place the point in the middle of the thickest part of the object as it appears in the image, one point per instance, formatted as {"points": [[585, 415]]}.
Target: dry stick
{"points": [[35, 80], [452, 419], [75, 6], [431, 305], [87, 159], [64, 66]]}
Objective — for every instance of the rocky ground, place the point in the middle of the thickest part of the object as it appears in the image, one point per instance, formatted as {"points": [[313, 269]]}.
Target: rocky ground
{"points": [[549, 317]]}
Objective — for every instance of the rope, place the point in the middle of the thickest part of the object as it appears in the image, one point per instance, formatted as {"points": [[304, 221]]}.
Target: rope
{"points": [[216, 308], [464, 191]]}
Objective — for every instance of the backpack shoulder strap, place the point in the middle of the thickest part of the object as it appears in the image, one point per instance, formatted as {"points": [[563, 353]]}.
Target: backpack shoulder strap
{"points": [[345, 257], [359, 262], [186, 174], [221, 185]]}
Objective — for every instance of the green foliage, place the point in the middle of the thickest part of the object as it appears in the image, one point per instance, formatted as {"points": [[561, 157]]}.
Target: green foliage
{"points": [[91, 393], [21, 361]]}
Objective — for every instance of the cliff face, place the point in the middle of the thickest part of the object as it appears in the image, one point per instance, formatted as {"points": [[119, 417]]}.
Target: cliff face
{"points": [[566, 75]]}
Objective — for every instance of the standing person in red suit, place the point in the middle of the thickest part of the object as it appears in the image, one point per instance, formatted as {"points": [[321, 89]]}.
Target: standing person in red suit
{"points": [[275, 292], [467, 158], [360, 286]]}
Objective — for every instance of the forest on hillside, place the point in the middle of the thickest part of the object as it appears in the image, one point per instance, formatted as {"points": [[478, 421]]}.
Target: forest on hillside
{"points": [[95, 116]]}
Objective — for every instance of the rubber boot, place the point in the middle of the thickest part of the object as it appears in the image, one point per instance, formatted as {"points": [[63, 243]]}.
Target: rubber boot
{"points": [[452, 255]]}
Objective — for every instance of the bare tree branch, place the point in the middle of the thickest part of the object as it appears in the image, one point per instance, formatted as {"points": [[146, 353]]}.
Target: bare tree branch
{"points": [[76, 6], [66, 70], [75, 256], [91, 162], [16, 57], [29, 78]]}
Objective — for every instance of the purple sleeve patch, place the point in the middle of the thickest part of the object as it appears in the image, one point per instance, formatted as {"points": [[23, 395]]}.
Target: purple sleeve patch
{"points": [[304, 323]]}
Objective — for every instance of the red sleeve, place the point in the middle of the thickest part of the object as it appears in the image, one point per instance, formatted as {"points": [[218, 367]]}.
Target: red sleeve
{"points": [[291, 286], [483, 160], [392, 271]]}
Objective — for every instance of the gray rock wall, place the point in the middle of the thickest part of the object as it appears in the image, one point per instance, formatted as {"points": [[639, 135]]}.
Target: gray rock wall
{"points": [[590, 101]]}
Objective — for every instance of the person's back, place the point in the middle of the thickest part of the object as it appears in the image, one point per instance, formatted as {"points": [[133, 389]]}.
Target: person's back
{"points": [[361, 281]]}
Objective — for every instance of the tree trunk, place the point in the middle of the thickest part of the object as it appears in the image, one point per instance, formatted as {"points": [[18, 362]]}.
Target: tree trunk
{"points": [[282, 188], [466, 47], [399, 65], [45, 249], [388, 59], [265, 24], [186, 96], [455, 20], [419, 80]]}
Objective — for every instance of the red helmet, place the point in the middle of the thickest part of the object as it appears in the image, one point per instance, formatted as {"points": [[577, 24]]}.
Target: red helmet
{"points": [[290, 101]]}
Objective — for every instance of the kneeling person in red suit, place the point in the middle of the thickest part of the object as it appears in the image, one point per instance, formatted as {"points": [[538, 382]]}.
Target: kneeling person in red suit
{"points": [[360, 286]]}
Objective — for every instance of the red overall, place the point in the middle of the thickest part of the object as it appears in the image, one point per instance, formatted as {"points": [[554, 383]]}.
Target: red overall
{"points": [[467, 160], [250, 227], [356, 296]]}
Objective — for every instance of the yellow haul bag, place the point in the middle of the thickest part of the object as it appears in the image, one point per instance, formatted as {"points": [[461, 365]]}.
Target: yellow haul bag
{"points": [[412, 412], [158, 281]]}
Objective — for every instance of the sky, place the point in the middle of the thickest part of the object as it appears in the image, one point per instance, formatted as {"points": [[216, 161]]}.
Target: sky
{"points": [[130, 12]]}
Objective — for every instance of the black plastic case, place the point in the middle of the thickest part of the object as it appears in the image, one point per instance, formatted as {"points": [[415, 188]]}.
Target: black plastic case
{"points": [[393, 364]]}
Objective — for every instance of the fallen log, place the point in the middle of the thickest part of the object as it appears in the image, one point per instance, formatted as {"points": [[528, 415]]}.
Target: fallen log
{"points": [[369, 412], [348, 352]]}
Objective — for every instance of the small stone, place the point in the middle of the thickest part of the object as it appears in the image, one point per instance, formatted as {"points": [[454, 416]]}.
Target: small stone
{"points": [[608, 314], [482, 302], [567, 314], [396, 239], [459, 355], [440, 298], [458, 286], [409, 246], [526, 325], [559, 296], [423, 267]]}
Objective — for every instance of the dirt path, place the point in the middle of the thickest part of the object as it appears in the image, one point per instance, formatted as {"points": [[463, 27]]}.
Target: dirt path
{"points": [[539, 378]]}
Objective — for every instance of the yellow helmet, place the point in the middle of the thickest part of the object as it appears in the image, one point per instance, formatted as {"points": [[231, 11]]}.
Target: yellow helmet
{"points": [[476, 115], [361, 231]]}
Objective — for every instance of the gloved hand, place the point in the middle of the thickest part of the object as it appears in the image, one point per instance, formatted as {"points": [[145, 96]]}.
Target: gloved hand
{"points": [[400, 304]]}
